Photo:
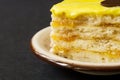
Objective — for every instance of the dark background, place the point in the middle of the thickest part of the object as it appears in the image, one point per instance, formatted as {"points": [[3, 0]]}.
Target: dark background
{"points": [[19, 21]]}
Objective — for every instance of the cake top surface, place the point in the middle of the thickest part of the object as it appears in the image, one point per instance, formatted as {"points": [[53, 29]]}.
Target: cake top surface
{"points": [[74, 8]]}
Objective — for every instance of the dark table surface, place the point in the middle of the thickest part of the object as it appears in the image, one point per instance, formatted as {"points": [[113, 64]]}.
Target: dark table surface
{"points": [[19, 21]]}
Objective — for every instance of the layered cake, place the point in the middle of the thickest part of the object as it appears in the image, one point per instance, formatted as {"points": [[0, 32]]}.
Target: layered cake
{"points": [[86, 30]]}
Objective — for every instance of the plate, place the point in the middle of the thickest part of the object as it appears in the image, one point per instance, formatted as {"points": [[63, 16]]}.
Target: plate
{"points": [[40, 44]]}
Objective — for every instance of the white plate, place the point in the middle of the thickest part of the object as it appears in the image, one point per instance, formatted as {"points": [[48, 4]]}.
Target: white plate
{"points": [[40, 45]]}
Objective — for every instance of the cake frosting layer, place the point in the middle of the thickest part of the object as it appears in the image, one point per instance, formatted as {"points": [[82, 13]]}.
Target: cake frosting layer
{"points": [[74, 8]]}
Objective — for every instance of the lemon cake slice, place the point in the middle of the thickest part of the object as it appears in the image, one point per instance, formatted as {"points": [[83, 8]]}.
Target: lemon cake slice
{"points": [[86, 30]]}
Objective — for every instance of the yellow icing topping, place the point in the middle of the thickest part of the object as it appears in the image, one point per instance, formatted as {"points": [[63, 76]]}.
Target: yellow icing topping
{"points": [[74, 8]]}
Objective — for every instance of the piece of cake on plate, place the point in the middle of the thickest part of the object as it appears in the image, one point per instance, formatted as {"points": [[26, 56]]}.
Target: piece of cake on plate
{"points": [[86, 30]]}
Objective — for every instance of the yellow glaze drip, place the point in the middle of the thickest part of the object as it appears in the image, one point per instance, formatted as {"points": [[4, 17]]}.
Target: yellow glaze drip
{"points": [[74, 8]]}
